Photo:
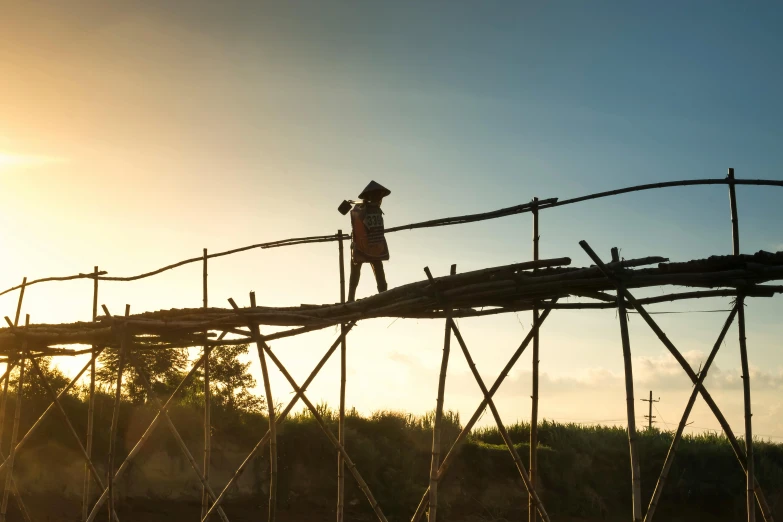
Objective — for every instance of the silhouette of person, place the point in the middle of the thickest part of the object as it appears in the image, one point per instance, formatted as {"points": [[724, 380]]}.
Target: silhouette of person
{"points": [[368, 244]]}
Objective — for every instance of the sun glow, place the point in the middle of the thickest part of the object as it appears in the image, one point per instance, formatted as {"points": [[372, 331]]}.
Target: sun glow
{"points": [[8, 160]]}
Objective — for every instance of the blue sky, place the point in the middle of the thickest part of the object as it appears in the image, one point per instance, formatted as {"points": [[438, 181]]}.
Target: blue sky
{"points": [[158, 130]]}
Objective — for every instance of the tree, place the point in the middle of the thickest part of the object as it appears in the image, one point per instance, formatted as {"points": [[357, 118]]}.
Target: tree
{"points": [[163, 367], [231, 381], [34, 388]]}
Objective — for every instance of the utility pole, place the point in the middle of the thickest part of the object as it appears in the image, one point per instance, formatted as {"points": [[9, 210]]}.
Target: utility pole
{"points": [[650, 416]]}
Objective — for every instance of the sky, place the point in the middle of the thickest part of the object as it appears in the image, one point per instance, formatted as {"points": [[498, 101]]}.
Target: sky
{"points": [[135, 135]]}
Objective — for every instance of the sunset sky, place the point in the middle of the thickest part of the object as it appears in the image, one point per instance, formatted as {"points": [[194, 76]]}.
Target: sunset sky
{"points": [[133, 135]]}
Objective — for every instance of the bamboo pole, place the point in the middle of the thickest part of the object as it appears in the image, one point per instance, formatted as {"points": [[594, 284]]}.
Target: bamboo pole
{"points": [[6, 377], [317, 416], [444, 465], [14, 489], [144, 437], [343, 360], [10, 483], [9, 365], [667, 464], [436, 425], [19, 502], [270, 405], [207, 402], [765, 508], [116, 413], [531, 505], [91, 404], [9, 475], [749, 466], [526, 479], [279, 419], [636, 490], [734, 220]]}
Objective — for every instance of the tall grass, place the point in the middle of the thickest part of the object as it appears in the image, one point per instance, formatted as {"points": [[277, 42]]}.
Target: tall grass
{"points": [[584, 470]]}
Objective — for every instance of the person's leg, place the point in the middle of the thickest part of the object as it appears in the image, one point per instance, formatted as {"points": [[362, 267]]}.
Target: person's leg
{"points": [[380, 275], [353, 281]]}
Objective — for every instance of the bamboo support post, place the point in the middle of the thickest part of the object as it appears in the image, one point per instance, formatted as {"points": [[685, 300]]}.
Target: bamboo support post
{"points": [[19, 302], [270, 406], [14, 489], [734, 221], [343, 360], [116, 413], [317, 416], [144, 437], [444, 465], [526, 479], [765, 508], [9, 474], [9, 364], [6, 377], [207, 402], [280, 418], [636, 490], [531, 507], [436, 424], [90, 405], [749, 466], [667, 464]]}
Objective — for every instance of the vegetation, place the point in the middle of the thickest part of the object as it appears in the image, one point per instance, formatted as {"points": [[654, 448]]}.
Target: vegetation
{"points": [[584, 469]]}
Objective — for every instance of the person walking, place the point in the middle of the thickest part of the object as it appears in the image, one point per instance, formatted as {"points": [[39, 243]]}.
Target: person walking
{"points": [[368, 243]]}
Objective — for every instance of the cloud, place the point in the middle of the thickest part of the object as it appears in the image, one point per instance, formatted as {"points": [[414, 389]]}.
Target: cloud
{"points": [[656, 372]]}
